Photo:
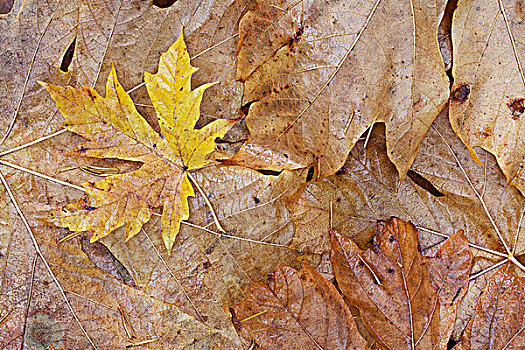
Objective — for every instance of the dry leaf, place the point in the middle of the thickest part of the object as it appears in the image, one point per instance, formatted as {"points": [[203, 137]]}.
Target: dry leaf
{"points": [[297, 310], [450, 270], [212, 272], [499, 321], [318, 74], [392, 287], [368, 188], [114, 129], [487, 100], [38, 315]]}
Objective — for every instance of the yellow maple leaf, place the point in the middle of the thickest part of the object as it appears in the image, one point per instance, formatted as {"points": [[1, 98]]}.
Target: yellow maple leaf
{"points": [[114, 129]]}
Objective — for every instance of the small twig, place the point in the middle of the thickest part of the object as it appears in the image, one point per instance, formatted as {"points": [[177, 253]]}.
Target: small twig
{"points": [[215, 218], [32, 172], [253, 316], [39, 252], [144, 342], [128, 327]]}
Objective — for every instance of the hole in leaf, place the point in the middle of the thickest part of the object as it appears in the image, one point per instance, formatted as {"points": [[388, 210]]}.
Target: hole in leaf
{"points": [[163, 3], [310, 175], [6, 6], [268, 172], [68, 56], [424, 184], [246, 107]]}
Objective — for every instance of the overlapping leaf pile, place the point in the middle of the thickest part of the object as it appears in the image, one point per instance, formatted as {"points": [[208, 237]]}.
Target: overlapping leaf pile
{"points": [[347, 124]]}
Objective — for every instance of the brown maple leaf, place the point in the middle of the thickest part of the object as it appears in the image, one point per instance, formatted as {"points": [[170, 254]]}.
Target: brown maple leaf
{"points": [[297, 310], [398, 300]]}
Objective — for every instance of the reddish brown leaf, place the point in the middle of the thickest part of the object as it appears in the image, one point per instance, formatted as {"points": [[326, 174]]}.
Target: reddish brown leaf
{"points": [[450, 270], [499, 321], [391, 286], [298, 310]]}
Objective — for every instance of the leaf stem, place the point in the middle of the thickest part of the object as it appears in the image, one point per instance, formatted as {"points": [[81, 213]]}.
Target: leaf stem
{"points": [[32, 172], [215, 218], [32, 142]]}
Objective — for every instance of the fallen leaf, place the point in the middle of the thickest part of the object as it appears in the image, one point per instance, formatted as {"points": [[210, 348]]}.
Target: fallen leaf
{"points": [[487, 99], [39, 315], [318, 74], [392, 286], [499, 321], [450, 269], [472, 197], [114, 129], [299, 310], [207, 273]]}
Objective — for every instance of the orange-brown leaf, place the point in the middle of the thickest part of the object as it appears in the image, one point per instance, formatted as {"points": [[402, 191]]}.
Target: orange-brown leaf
{"points": [[499, 321], [391, 286], [450, 270], [298, 310]]}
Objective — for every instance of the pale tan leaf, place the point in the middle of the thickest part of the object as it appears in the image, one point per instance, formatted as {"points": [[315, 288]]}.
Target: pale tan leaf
{"points": [[487, 101], [318, 74]]}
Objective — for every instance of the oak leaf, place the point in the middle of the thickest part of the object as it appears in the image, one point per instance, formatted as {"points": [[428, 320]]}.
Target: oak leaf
{"points": [[114, 129], [297, 310], [488, 96], [318, 74], [398, 299]]}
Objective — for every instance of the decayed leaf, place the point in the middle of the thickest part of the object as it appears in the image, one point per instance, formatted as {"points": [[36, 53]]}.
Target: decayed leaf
{"points": [[499, 321], [298, 310], [368, 188], [320, 73], [212, 272], [115, 129], [450, 270], [39, 317], [488, 95], [392, 287]]}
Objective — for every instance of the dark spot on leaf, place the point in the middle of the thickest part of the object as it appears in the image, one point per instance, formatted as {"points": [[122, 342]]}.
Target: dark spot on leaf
{"points": [[206, 265], [154, 145], [104, 122], [302, 277], [310, 174], [184, 168], [6, 6], [89, 208], [163, 3], [340, 171], [424, 183], [68, 56], [256, 200], [516, 107], [181, 88], [462, 93], [391, 239], [390, 270], [82, 149], [360, 263]]}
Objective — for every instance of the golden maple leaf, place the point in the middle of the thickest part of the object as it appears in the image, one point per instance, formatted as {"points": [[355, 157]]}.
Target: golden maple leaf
{"points": [[114, 129]]}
